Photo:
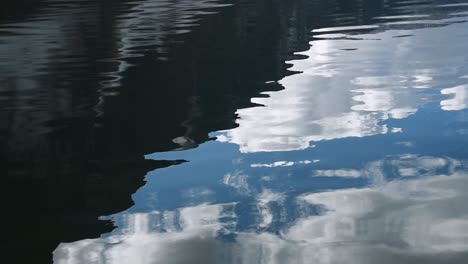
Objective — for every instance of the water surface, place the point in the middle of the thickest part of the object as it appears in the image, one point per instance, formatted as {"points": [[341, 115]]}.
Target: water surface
{"points": [[240, 131]]}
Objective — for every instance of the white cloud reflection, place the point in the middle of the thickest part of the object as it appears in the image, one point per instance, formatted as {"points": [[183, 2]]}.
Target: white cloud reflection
{"points": [[282, 163], [459, 100], [418, 220], [406, 219], [341, 93], [238, 181], [142, 243], [404, 166]]}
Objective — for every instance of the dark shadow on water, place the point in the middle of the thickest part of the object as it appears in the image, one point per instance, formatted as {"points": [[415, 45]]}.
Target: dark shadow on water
{"points": [[52, 202], [68, 164]]}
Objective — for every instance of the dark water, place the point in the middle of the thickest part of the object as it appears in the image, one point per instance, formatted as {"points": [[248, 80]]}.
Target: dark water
{"points": [[237, 131]]}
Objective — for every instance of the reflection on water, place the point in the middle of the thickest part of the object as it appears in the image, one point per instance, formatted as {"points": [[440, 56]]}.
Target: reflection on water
{"points": [[354, 80], [313, 131], [459, 100], [146, 27], [338, 167], [60, 63], [420, 218]]}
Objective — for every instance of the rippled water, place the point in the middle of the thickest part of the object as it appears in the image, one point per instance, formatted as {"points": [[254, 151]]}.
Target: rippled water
{"points": [[247, 131]]}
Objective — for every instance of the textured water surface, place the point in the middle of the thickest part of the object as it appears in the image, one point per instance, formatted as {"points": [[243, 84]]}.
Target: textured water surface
{"points": [[245, 131]]}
